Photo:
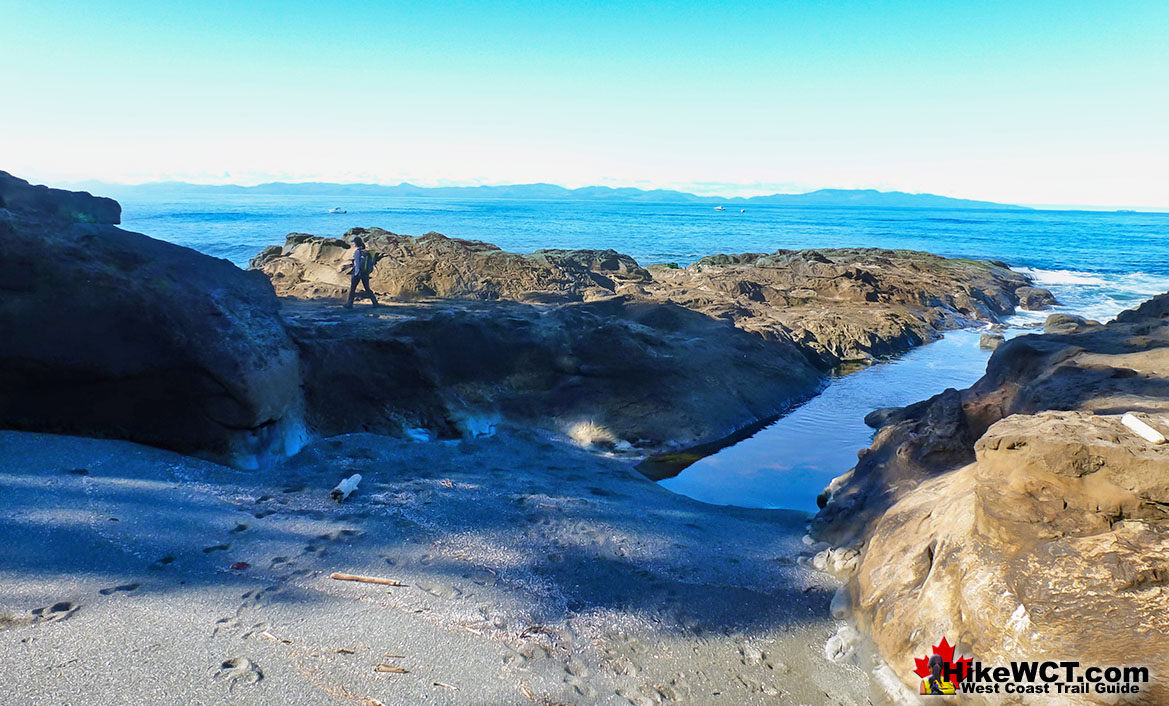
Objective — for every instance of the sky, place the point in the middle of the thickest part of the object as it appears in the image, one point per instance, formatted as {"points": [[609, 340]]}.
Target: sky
{"points": [[1040, 103]]}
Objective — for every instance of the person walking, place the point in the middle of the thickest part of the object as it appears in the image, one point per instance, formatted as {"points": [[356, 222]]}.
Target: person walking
{"points": [[362, 267]]}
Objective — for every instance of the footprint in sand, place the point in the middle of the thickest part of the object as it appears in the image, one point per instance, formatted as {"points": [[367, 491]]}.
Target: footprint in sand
{"points": [[481, 577], [226, 624], [54, 613], [624, 654], [241, 527], [238, 670], [440, 590], [346, 535], [758, 685], [163, 562], [216, 548], [576, 675], [259, 597], [125, 588]]}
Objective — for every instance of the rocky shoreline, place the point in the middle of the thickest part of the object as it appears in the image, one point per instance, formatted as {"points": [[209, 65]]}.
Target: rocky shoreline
{"points": [[1019, 516], [528, 546], [176, 349], [590, 345]]}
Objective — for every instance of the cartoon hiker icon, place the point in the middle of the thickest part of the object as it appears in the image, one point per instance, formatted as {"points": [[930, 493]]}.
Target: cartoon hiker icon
{"points": [[935, 683]]}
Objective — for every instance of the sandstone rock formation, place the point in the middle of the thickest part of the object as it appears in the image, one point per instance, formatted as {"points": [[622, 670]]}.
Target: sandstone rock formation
{"points": [[184, 351], [658, 358], [622, 372], [1019, 518], [112, 333], [434, 265], [839, 306], [844, 305]]}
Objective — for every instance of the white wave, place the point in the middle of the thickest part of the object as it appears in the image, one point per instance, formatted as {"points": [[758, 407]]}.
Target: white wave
{"points": [[1093, 295], [1131, 282], [1048, 277]]}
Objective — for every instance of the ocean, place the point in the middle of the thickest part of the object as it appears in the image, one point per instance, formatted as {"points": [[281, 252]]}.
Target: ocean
{"points": [[1096, 263]]}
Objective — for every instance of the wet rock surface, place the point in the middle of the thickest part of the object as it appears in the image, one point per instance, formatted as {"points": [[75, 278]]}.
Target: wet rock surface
{"points": [[1035, 298]]}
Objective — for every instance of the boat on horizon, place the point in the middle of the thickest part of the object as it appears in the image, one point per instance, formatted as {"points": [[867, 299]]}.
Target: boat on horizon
{"points": [[719, 208], [337, 210]]}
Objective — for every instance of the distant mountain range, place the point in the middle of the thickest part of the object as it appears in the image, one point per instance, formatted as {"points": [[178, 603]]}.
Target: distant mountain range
{"points": [[868, 198]]}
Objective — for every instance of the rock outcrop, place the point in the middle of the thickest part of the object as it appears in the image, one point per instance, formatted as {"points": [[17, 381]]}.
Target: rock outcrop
{"points": [[1019, 518], [621, 373], [112, 333], [844, 305], [184, 351], [839, 306], [33, 202], [435, 266]]}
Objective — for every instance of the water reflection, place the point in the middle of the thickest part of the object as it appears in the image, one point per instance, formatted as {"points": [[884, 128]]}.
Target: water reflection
{"points": [[788, 463]]}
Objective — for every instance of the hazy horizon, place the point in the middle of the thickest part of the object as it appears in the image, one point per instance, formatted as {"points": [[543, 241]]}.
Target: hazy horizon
{"points": [[90, 183], [1037, 103]]}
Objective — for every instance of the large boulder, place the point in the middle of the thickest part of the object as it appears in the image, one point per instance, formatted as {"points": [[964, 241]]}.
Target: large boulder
{"points": [[1053, 545], [1020, 518], [1035, 298], [1066, 323], [112, 333], [990, 341]]}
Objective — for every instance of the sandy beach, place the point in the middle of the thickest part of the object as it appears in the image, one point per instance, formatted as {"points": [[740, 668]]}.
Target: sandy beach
{"points": [[532, 572]]}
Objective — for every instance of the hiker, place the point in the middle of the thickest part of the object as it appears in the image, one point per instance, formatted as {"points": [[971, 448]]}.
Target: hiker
{"points": [[362, 266]]}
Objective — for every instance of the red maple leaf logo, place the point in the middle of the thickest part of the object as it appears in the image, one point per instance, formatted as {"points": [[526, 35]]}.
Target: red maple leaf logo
{"points": [[945, 650]]}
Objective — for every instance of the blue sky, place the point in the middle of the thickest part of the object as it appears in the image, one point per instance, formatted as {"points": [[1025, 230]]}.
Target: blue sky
{"points": [[1025, 102]]}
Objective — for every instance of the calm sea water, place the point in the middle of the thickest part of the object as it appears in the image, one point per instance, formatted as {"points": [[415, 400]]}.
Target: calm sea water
{"points": [[1097, 264]]}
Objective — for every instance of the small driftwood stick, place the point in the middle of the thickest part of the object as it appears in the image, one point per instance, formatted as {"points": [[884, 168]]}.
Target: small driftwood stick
{"points": [[391, 669], [365, 579]]}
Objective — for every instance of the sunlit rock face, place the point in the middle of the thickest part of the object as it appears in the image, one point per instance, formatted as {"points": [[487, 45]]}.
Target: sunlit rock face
{"points": [[1021, 518], [838, 305]]}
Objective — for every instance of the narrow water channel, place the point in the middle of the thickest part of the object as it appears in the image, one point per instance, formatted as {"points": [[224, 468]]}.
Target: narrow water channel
{"points": [[787, 464]]}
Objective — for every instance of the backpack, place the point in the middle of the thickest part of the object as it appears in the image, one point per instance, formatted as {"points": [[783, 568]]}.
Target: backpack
{"points": [[367, 261]]}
